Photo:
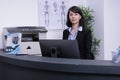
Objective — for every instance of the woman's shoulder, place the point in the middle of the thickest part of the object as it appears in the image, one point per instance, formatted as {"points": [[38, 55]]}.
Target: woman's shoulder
{"points": [[87, 29], [66, 30]]}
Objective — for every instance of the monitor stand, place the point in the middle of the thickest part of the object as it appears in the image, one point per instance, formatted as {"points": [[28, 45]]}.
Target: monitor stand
{"points": [[54, 52]]}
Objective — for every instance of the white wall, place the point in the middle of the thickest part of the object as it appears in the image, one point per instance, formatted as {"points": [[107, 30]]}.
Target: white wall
{"points": [[77, 2], [111, 27], [17, 13], [106, 25], [98, 8]]}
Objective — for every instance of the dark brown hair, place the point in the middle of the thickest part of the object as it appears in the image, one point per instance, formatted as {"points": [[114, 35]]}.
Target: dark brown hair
{"points": [[75, 9]]}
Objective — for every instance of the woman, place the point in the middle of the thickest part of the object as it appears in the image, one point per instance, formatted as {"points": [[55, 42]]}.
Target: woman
{"points": [[77, 30]]}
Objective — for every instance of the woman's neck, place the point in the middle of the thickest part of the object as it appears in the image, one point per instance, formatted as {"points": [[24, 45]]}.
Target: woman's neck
{"points": [[75, 26]]}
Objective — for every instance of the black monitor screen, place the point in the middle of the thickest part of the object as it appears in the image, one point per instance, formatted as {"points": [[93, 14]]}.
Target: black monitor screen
{"points": [[60, 48]]}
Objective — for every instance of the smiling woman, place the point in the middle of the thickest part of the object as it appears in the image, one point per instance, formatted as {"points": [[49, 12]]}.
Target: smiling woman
{"points": [[77, 31]]}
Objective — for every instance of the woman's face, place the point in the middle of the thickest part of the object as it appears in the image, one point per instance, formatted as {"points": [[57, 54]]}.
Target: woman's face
{"points": [[74, 17]]}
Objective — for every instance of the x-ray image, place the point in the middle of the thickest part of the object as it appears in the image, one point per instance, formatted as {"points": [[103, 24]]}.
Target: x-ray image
{"points": [[63, 14], [52, 13], [55, 6], [46, 13]]}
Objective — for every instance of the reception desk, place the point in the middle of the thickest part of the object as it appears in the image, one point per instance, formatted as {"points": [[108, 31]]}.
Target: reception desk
{"points": [[29, 67]]}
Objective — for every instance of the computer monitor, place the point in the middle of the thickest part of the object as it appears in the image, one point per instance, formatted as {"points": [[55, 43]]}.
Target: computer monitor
{"points": [[60, 48]]}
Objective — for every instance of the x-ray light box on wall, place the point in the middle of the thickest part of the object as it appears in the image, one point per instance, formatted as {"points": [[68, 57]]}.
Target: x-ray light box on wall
{"points": [[52, 13]]}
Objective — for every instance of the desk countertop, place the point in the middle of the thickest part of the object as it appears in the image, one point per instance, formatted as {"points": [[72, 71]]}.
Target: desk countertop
{"points": [[61, 64]]}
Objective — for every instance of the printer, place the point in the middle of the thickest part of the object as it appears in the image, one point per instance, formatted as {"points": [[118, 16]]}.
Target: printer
{"points": [[23, 40]]}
